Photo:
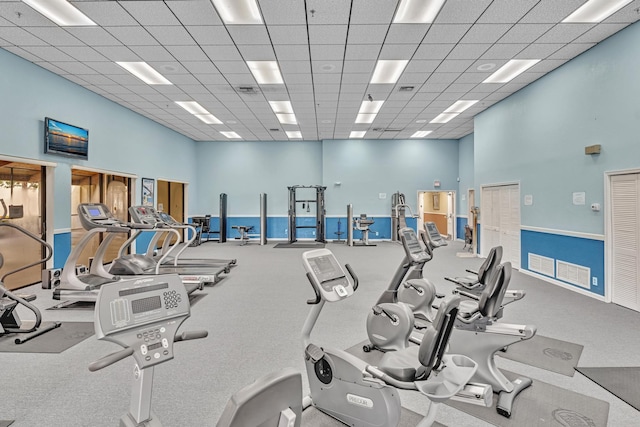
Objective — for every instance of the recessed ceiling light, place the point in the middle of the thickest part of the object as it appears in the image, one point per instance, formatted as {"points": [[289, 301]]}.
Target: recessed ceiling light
{"points": [[61, 12], [370, 107], [144, 72], [294, 134], [486, 67], [421, 121], [365, 118], [281, 107], [511, 70], [231, 122], [357, 133], [265, 72], [444, 118], [596, 10], [388, 71], [287, 119], [193, 107], [460, 106], [209, 119], [231, 135], [417, 11], [421, 134], [241, 12], [327, 67], [326, 121]]}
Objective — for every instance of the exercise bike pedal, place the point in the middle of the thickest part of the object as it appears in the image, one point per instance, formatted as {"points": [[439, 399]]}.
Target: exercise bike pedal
{"points": [[313, 353]]}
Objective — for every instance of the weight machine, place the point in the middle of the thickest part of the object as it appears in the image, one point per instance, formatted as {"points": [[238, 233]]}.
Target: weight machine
{"points": [[320, 212]]}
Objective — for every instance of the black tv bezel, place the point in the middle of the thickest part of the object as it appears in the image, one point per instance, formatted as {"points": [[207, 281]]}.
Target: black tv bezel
{"points": [[48, 150]]}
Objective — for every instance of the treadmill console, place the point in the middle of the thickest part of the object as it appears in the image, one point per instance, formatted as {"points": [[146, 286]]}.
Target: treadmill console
{"points": [[97, 215], [143, 314], [412, 246], [327, 274], [145, 215], [435, 238]]}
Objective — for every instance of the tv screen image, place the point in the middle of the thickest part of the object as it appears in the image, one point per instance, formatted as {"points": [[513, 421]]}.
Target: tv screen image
{"points": [[65, 139]]}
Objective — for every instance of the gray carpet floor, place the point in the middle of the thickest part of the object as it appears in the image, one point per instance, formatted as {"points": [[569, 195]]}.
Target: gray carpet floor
{"points": [[254, 318], [623, 382]]}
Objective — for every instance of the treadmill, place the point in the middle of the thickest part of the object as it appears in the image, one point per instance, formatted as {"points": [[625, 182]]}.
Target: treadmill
{"points": [[96, 218], [148, 215], [132, 264]]}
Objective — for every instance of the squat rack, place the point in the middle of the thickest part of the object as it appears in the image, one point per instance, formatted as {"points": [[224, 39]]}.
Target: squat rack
{"points": [[320, 212]]}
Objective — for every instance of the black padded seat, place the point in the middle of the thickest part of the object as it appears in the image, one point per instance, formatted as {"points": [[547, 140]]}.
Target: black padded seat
{"points": [[401, 365]]}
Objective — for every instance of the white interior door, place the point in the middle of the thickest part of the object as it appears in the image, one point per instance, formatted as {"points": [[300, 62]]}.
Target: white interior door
{"points": [[500, 221], [625, 240]]}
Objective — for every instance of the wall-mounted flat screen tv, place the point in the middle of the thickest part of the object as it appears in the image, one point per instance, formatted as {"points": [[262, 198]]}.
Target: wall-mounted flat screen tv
{"points": [[65, 140]]}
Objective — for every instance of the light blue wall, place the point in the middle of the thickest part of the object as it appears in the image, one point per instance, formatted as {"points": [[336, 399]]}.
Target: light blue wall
{"points": [[466, 175], [119, 139], [537, 137]]}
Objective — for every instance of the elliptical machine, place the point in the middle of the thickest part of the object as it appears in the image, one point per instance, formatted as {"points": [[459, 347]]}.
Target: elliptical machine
{"points": [[10, 322], [347, 388]]}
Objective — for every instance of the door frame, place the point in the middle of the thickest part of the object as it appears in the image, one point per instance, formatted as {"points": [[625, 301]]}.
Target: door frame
{"points": [[608, 230], [420, 205], [185, 195], [474, 230], [493, 185]]}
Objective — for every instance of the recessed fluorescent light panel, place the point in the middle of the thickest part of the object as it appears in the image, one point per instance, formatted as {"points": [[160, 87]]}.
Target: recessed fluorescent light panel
{"points": [[265, 72], [417, 11], [61, 12], [365, 118], [460, 106], [511, 70], [388, 71], [287, 119], [281, 107], [294, 134], [199, 111], [444, 118], [238, 12], [144, 72], [231, 135], [370, 107], [596, 10], [421, 134], [357, 133], [209, 119]]}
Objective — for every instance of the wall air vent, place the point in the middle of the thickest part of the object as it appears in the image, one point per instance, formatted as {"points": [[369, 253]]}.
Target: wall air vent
{"points": [[386, 130], [572, 273], [247, 90], [274, 130], [542, 264], [406, 88]]}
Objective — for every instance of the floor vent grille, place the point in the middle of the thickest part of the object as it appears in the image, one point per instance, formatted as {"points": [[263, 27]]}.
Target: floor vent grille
{"points": [[541, 264], [575, 274]]}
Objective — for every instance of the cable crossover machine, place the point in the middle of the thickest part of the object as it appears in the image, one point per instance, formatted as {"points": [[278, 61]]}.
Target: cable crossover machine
{"points": [[320, 211]]}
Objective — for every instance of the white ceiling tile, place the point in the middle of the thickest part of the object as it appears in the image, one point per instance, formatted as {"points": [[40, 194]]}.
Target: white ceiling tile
{"points": [[20, 37], [19, 13], [55, 36], [211, 78], [249, 34], [397, 51], [599, 33], [48, 53], [406, 33], [107, 68], [117, 53], [468, 51], [319, 78], [297, 79], [564, 33], [194, 12], [291, 52], [94, 36], [502, 51], [367, 34], [288, 34], [433, 51], [446, 33], [187, 53], [328, 12], [152, 53], [551, 11], [506, 11], [359, 66], [454, 65], [571, 51], [372, 11], [362, 52], [628, 14], [150, 12], [549, 65], [538, 51], [462, 11], [326, 66], [485, 33], [283, 12], [294, 67], [170, 36], [223, 53], [73, 67], [412, 79], [83, 53], [257, 52], [525, 33], [327, 34], [327, 52], [46, 65], [210, 35], [132, 35]]}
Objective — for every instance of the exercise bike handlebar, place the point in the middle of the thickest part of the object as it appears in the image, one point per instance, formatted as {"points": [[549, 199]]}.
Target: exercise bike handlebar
{"points": [[352, 273], [128, 351], [314, 285]]}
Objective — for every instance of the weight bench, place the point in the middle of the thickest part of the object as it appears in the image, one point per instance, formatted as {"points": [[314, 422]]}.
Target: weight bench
{"points": [[244, 233]]}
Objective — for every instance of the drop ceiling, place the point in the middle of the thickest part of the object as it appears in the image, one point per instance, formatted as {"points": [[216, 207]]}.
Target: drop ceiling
{"points": [[326, 49]]}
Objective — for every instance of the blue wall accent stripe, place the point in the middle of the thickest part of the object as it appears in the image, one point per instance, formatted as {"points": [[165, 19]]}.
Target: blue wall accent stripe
{"points": [[61, 248], [575, 250]]}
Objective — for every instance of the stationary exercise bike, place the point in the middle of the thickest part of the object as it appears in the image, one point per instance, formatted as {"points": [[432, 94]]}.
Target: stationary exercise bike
{"points": [[347, 388], [143, 316]]}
